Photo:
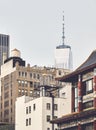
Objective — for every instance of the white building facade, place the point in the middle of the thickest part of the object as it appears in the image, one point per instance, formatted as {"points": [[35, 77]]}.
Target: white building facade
{"points": [[63, 57], [36, 113]]}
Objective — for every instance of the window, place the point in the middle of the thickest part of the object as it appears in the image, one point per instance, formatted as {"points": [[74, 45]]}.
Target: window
{"points": [[88, 105], [23, 83], [26, 92], [52, 77], [31, 84], [22, 91], [22, 74], [11, 101], [34, 76], [30, 75], [29, 109], [34, 107], [1, 115], [19, 73], [25, 74], [55, 117], [31, 94], [6, 113], [89, 86], [38, 76], [6, 95], [76, 99], [75, 96], [59, 72], [26, 84], [55, 107], [29, 121], [35, 85], [11, 93], [48, 118], [26, 110], [48, 106], [19, 82], [88, 126], [19, 92], [26, 122], [6, 103], [6, 86]]}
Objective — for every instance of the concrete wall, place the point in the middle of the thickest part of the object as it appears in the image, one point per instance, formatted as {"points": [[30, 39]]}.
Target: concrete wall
{"points": [[39, 115]]}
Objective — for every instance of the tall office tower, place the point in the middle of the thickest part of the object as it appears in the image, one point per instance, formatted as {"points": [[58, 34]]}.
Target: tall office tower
{"points": [[4, 48], [63, 54]]}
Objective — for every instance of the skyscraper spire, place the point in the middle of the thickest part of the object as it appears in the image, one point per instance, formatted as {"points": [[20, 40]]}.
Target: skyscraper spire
{"points": [[63, 37], [63, 54]]}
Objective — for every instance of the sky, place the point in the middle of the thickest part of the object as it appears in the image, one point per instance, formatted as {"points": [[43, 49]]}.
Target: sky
{"points": [[35, 28]]}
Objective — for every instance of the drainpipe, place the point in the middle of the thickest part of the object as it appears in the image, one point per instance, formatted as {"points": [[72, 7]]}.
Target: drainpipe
{"points": [[52, 111]]}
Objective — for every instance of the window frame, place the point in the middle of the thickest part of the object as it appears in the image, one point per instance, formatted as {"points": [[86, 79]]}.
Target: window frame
{"points": [[48, 106], [55, 107], [48, 118]]}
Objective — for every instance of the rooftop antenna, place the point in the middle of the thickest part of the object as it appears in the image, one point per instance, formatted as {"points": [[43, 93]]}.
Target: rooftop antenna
{"points": [[63, 37]]}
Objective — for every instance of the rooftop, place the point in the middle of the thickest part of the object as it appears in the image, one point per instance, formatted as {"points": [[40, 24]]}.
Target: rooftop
{"points": [[75, 116], [63, 46]]}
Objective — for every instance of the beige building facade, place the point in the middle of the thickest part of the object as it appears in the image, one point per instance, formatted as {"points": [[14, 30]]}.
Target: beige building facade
{"points": [[17, 80]]}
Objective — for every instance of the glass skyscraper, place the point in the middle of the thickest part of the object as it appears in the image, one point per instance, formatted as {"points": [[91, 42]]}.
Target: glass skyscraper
{"points": [[63, 57], [63, 54], [4, 48]]}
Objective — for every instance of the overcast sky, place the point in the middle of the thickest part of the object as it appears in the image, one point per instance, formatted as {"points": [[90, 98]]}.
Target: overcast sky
{"points": [[35, 28]]}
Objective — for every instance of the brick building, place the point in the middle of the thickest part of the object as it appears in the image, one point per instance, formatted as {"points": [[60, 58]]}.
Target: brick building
{"points": [[17, 80]]}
